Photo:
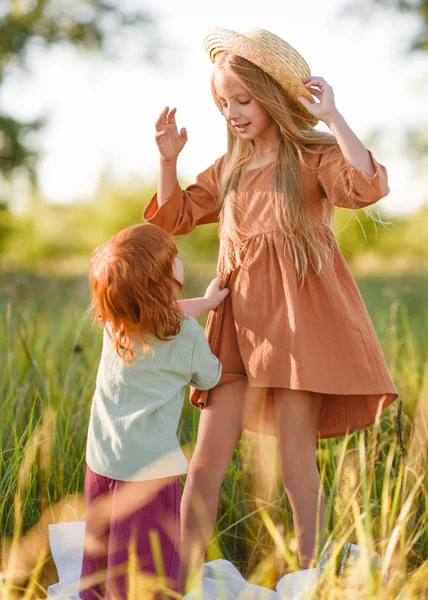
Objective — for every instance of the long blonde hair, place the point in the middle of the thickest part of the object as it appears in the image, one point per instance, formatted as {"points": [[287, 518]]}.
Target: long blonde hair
{"points": [[302, 236]]}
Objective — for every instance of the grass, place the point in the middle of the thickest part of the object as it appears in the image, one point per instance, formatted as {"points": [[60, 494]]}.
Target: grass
{"points": [[49, 353]]}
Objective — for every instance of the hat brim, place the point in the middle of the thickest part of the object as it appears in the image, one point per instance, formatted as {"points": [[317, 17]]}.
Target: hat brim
{"points": [[281, 61]]}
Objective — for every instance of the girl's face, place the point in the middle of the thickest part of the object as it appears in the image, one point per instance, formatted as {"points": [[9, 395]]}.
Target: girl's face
{"points": [[178, 269], [247, 116]]}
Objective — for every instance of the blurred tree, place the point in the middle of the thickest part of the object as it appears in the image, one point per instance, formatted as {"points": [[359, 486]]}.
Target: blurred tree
{"points": [[108, 26], [418, 8], [416, 137]]}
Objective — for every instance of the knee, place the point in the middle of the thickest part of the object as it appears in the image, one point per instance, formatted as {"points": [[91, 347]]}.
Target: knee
{"points": [[205, 475], [296, 479]]}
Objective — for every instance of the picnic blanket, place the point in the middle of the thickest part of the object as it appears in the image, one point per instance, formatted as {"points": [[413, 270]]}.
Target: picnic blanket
{"points": [[220, 579]]}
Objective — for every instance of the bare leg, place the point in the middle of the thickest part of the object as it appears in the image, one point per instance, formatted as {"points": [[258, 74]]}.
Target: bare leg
{"points": [[220, 428], [297, 416]]}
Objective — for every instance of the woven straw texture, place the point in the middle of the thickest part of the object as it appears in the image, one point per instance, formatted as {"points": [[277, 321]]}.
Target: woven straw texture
{"points": [[269, 52]]}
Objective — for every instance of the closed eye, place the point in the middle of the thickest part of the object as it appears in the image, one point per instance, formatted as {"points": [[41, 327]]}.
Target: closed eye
{"points": [[224, 104]]}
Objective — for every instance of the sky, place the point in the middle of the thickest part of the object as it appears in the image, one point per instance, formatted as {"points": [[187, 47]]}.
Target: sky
{"points": [[101, 113]]}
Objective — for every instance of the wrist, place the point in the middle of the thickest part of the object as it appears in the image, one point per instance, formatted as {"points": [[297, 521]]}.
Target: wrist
{"points": [[334, 120], [195, 307], [168, 163], [206, 304]]}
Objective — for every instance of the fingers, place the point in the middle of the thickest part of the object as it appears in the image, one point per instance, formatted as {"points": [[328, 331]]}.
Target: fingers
{"points": [[218, 282], [316, 92], [314, 80], [306, 103], [162, 119], [215, 284], [167, 117], [171, 116], [214, 294]]}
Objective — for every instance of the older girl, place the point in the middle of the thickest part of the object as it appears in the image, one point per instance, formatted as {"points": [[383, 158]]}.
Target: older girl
{"points": [[299, 352]]}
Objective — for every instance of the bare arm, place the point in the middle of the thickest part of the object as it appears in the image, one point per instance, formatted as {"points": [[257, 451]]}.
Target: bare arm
{"points": [[167, 180], [352, 147], [195, 307], [170, 143], [214, 295]]}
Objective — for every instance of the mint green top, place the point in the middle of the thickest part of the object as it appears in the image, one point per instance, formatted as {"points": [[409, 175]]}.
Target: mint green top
{"points": [[135, 411]]}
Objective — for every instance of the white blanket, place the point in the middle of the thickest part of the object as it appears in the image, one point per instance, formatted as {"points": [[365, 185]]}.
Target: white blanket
{"points": [[66, 541], [220, 579]]}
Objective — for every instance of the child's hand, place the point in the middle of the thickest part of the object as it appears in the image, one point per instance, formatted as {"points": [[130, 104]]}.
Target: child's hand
{"points": [[169, 140], [324, 110], [214, 295]]}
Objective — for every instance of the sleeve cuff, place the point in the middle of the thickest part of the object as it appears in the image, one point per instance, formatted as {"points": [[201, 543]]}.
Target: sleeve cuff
{"points": [[151, 209], [369, 187], [164, 216], [213, 383], [363, 174]]}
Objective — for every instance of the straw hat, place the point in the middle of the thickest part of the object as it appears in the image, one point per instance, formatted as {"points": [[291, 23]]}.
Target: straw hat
{"points": [[269, 52]]}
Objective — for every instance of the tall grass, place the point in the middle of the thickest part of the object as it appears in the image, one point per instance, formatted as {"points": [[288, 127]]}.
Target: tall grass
{"points": [[376, 489]]}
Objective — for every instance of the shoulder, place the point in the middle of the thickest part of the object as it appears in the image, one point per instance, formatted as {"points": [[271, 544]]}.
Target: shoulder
{"points": [[317, 154], [212, 175], [107, 345], [190, 330], [216, 167], [320, 159]]}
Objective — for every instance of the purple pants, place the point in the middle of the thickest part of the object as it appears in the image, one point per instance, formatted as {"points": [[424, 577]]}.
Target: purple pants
{"points": [[120, 513]]}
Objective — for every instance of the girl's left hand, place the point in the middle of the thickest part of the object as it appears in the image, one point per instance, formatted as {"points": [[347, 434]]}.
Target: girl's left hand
{"points": [[325, 109]]}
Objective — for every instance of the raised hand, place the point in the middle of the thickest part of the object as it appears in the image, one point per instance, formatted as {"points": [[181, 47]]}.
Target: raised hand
{"points": [[169, 140], [325, 109]]}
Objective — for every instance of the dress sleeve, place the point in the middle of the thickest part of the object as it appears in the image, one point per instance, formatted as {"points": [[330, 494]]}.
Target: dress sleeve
{"points": [[185, 209], [206, 368], [346, 186]]}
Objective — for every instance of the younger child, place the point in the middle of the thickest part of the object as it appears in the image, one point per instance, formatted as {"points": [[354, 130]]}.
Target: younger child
{"points": [[151, 351]]}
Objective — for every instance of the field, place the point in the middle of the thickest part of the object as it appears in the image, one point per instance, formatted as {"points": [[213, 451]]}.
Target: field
{"points": [[377, 488]]}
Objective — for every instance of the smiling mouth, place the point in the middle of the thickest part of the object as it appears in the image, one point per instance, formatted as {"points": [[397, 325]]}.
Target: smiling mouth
{"points": [[242, 125]]}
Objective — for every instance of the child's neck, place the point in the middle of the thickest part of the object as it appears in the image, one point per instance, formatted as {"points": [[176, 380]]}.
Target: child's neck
{"points": [[266, 148], [263, 156], [266, 154]]}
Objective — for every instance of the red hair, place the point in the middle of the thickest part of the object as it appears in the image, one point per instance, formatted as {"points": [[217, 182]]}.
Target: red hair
{"points": [[134, 289]]}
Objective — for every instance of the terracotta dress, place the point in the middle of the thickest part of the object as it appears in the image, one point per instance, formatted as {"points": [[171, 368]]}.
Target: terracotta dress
{"points": [[273, 333]]}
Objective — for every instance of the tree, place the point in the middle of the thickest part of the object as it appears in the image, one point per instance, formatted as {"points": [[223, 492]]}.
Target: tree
{"points": [[419, 8], [417, 136], [91, 25]]}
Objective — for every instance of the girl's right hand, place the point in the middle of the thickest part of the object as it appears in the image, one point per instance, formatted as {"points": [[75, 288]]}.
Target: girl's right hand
{"points": [[170, 141], [214, 295]]}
